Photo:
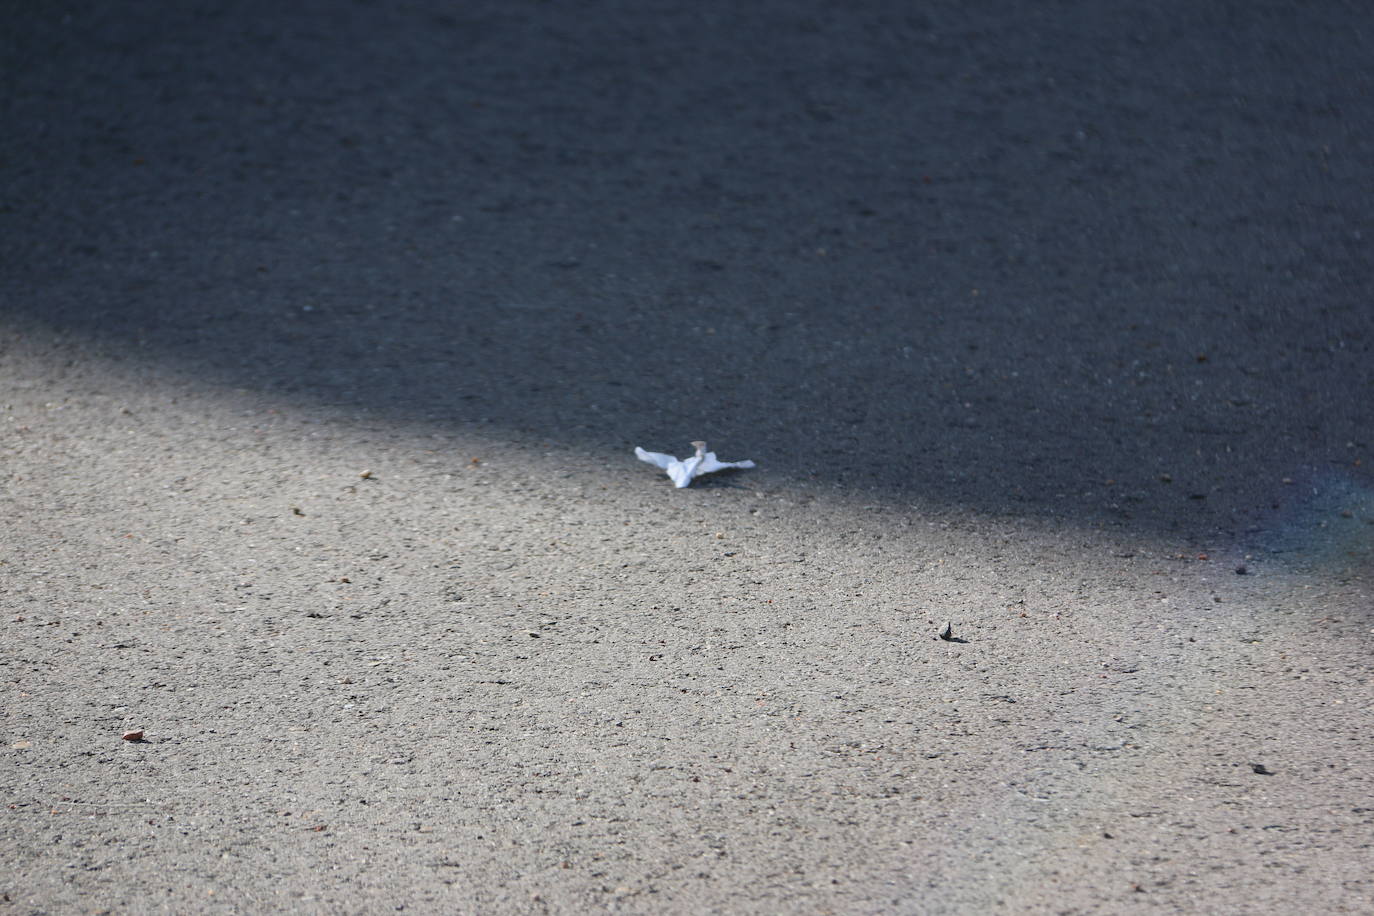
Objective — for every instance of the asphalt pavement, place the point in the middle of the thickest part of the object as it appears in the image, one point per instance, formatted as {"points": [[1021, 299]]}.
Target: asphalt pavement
{"points": [[331, 583]]}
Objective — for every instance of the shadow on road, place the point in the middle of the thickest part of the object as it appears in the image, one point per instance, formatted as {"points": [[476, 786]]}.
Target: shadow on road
{"points": [[1105, 266]]}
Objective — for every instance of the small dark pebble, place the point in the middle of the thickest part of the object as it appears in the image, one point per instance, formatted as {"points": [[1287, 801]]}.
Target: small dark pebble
{"points": [[1241, 570]]}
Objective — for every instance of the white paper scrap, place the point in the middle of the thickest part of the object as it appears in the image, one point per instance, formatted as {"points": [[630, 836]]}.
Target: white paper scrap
{"points": [[682, 472]]}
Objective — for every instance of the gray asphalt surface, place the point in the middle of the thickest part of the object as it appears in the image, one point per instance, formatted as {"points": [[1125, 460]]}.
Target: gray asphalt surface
{"points": [[326, 334]]}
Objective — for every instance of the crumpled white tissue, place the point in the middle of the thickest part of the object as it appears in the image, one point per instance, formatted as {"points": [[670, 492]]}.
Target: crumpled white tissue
{"points": [[682, 472]]}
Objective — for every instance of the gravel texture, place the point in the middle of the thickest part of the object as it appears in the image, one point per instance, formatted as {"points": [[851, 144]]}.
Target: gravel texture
{"points": [[326, 334]]}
